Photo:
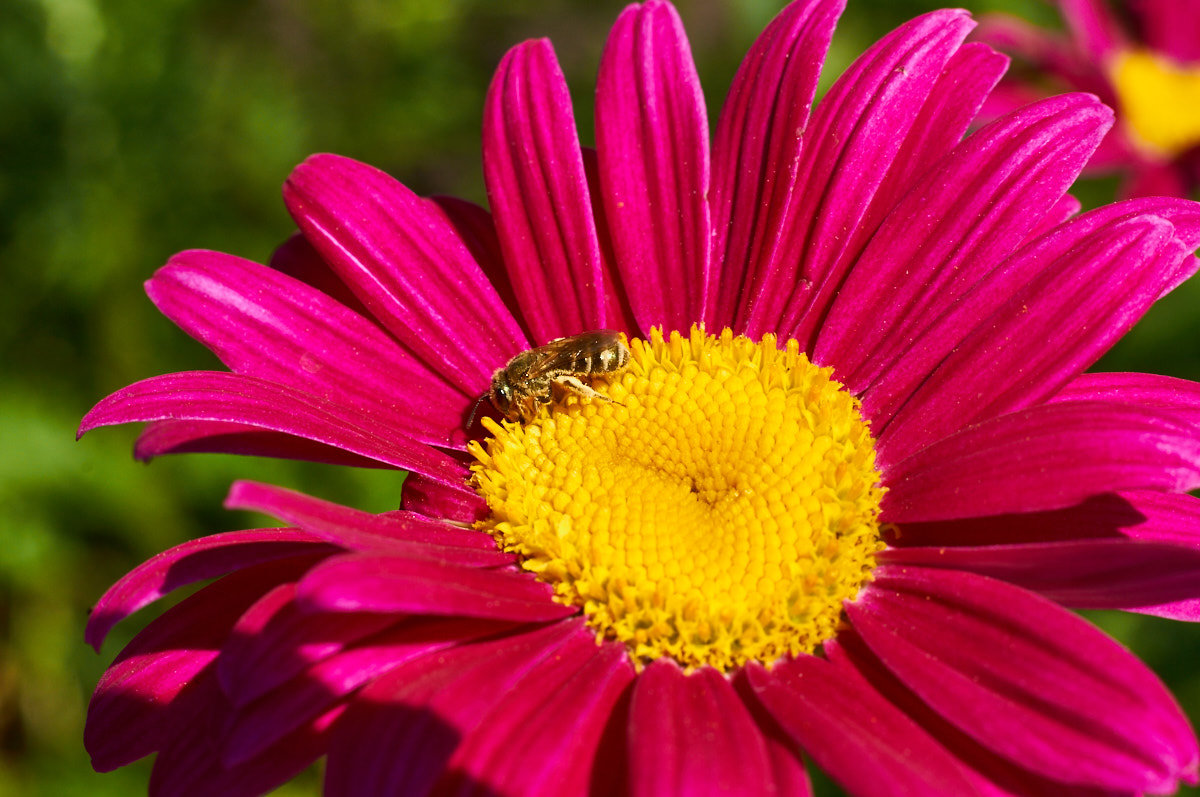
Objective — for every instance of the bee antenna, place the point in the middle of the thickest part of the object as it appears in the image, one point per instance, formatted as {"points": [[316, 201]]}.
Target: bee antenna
{"points": [[474, 410]]}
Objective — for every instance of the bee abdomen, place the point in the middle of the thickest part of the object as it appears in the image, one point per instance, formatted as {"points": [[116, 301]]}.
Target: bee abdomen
{"points": [[609, 359]]}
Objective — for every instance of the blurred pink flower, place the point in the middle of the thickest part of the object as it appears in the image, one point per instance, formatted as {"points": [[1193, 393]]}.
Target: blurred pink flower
{"points": [[947, 282], [1141, 57]]}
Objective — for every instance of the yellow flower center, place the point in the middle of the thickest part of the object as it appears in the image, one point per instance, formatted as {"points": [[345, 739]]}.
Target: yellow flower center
{"points": [[1160, 101], [718, 510]]}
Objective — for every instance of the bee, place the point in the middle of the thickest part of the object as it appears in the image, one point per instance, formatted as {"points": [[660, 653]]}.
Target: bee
{"points": [[534, 377]]}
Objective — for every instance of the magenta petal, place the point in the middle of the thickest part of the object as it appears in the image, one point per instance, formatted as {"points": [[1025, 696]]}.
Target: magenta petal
{"points": [[1063, 699], [948, 112], [1093, 27], [1152, 516], [1164, 517], [297, 258], [758, 143], [652, 140], [849, 147], [992, 775], [1172, 27], [863, 742], [478, 232], [786, 769], [207, 437], [1154, 178], [219, 396], [193, 561], [190, 765], [1116, 152], [1046, 457], [953, 227], [1004, 363], [265, 324], [436, 500], [129, 716], [1038, 50], [407, 264], [619, 312], [281, 762], [397, 532], [330, 680], [402, 728], [273, 641], [692, 734], [541, 739], [1181, 397], [390, 583], [1063, 211], [539, 195], [1048, 261], [148, 687], [1157, 578]]}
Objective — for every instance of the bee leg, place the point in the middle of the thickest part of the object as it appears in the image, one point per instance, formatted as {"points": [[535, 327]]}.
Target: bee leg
{"points": [[527, 408], [571, 384]]}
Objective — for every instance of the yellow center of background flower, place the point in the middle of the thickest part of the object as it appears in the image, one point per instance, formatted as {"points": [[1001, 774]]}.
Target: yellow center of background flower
{"points": [[719, 510], [1160, 101]]}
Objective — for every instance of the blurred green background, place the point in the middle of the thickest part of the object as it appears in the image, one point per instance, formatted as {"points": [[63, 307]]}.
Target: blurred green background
{"points": [[130, 130]]}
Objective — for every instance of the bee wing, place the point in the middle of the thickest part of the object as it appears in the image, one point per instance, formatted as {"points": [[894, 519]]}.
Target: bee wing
{"points": [[591, 352]]}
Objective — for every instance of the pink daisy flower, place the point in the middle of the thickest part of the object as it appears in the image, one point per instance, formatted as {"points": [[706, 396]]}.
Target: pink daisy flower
{"points": [[1140, 57], [825, 499]]}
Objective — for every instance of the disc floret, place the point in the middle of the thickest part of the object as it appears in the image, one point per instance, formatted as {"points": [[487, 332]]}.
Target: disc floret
{"points": [[718, 510]]}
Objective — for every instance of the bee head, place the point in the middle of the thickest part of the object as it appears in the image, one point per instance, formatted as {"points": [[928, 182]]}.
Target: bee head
{"points": [[502, 393]]}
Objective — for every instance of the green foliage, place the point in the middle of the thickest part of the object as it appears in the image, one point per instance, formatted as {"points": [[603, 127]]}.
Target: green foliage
{"points": [[130, 130]]}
